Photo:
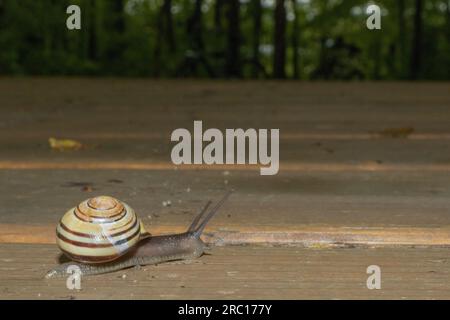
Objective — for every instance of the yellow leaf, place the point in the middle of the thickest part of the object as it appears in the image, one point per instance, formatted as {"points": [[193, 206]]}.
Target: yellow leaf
{"points": [[397, 132], [64, 144]]}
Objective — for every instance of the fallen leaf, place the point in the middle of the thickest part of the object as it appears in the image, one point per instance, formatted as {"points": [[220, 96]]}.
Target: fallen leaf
{"points": [[87, 189], [64, 144], [397, 132]]}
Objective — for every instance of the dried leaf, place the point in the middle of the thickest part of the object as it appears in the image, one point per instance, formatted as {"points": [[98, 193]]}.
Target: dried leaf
{"points": [[87, 189], [397, 132], [64, 144]]}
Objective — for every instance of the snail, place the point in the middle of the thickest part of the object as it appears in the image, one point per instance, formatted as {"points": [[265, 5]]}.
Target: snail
{"points": [[103, 235]]}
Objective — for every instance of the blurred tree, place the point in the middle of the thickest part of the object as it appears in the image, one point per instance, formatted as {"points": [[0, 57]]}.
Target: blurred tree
{"points": [[401, 38], [92, 11], [118, 15], [279, 57], [2, 12], [164, 31], [295, 40], [416, 51], [227, 38], [115, 43], [447, 47], [257, 67], [233, 63], [195, 56], [166, 12], [218, 8]]}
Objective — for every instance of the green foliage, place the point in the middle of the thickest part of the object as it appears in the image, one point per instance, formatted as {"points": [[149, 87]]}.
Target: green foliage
{"points": [[138, 38]]}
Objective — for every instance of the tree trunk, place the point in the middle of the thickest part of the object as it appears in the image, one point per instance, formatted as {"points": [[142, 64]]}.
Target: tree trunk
{"points": [[295, 41], [194, 30], [167, 14], [233, 65], [377, 59], [119, 18], [401, 38], [416, 51], [257, 25], [93, 48], [88, 46], [448, 34], [448, 21], [115, 27], [164, 27], [158, 44], [218, 15], [60, 42], [279, 59], [448, 14], [195, 26], [2, 13]]}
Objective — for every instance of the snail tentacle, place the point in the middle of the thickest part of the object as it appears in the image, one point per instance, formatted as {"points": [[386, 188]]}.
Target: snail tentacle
{"points": [[211, 214], [198, 217]]}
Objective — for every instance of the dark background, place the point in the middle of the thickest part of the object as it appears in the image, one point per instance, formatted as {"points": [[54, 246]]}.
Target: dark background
{"points": [[302, 39]]}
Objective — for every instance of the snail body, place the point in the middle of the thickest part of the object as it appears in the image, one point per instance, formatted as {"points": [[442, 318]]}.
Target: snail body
{"points": [[105, 235]]}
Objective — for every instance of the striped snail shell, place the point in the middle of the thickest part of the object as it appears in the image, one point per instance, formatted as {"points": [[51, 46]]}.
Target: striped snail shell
{"points": [[99, 230]]}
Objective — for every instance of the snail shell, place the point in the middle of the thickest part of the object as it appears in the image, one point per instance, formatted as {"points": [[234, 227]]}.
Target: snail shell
{"points": [[99, 230]]}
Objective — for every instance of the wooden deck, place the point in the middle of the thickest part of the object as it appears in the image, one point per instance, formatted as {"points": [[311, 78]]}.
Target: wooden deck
{"points": [[364, 179], [249, 272]]}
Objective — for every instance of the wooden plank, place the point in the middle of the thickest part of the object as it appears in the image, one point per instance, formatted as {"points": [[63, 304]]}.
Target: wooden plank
{"points": [[39, 136], [323, 126], [340, 199], [237, 273], [311, 207], [266, 235], [295, 154], [368, 166], [54, 106]]}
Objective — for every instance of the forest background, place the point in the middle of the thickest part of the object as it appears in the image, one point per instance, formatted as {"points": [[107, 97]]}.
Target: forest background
{"points": [[293, 39]]}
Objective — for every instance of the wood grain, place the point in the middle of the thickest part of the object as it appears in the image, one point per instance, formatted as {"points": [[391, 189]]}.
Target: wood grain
{"points": [[239, 273], [364, 179], [295, 202], [239, 235]]}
